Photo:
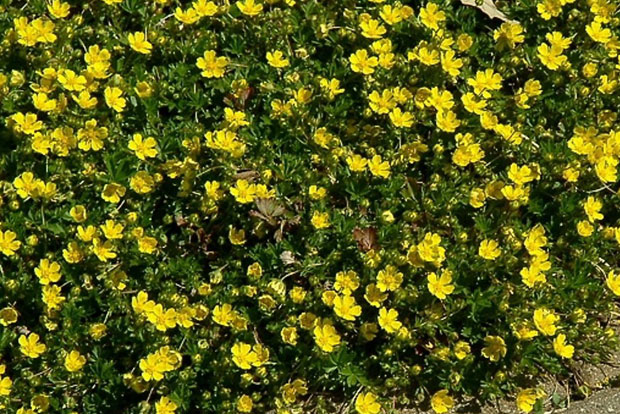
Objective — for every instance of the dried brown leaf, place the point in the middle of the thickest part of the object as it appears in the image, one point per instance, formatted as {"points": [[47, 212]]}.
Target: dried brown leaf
{"points": [[489, 8], [366, 238]]}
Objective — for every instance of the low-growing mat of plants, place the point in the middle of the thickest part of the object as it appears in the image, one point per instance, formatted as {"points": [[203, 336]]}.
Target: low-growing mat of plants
{"points": [[305, 206]]}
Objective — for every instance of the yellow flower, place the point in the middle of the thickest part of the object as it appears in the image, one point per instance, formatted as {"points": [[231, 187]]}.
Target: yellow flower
{"points": [[461, 350], [431, 16], [464, 42], [378, 167], [613, 282], [236, 237], [346, 307], [316, 193], [326, 337], [584, 228], [523, 331], [47, 272], [223, 314], [139, 43], [381, 103], [485, 81], [91, 137], [71, 81], [366, 403], [509, 34], [598, 33], [205, 8], [545, 321], [188, 16], [114, 99], [5, 386], [147, 245], [592, 207], [42, 102], [440, 287], [244, 404], [235, 119], [447, 121], [74, 361], [152, 368], [113, 192], [289, 335], [8, 316], [532, 275], [524, 174], [489, 250], [142, 182], [103, 250], [243, 356], [535, 240], [277, 59], [562, 348], [26, 123], [372, 29], [97, 331], [495, 348], [441, 402], [450, 64], [357, 163], [262, 354], [550, 57], [85, 100], [527, 397], [389, 279], [58, 9], [388, 320], [8, 244], [332, 87], [140, 302], [30, 346], [244, 192], [429, 249], [374, 296], [165, 406], [212, 66], [143, 148], [52, 297], [361, 62], [143, 89], [320, 220], [72, 254], [163, 319], [112, 230], [297, 294], [401, 119], [249, 7]]}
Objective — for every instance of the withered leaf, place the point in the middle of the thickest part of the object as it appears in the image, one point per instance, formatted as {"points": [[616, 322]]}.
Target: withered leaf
{"points": [[489, 8], [286, 226], [247, 175], [180, 220], [270, 207], [288, 257], [240, 100], [268, 210], [366, 238]]}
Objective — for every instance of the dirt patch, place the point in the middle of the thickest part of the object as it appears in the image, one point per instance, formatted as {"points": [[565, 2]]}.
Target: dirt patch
{"points": [[592, 389]]}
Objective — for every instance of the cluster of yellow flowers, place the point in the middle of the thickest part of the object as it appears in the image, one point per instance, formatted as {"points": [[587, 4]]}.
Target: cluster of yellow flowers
{"points": [[164, 319], [385, 198], [156, 364]]}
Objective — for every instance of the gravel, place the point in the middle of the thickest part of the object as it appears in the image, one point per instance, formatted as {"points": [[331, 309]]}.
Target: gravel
{"points": [[601, 402]]}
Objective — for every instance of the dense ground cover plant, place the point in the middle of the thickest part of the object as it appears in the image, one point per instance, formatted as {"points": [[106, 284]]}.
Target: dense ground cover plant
{"points": [[240, 207]]}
